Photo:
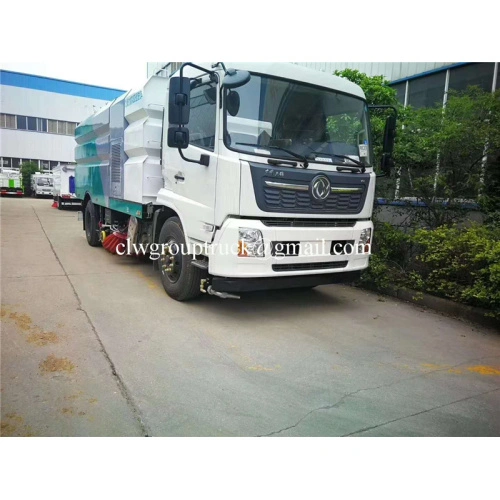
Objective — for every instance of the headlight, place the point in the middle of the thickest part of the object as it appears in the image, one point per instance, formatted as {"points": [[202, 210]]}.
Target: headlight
{"points": [[365, 236], [250, 242], [365, 241]]}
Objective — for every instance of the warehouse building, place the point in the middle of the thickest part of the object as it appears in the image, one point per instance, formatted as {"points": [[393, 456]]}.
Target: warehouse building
{"points": [[425, 84], [38, 116]]}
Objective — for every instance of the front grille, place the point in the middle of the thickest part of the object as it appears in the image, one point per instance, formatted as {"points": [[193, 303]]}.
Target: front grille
{"points": [[284, 222], [310, 266], [291, 200]]}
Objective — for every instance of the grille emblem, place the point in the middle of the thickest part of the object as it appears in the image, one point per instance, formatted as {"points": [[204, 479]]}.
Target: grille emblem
{"points": [[320, 187]]}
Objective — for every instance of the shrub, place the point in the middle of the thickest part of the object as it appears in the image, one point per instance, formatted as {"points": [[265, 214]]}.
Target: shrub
{"points": [[462, 264]]}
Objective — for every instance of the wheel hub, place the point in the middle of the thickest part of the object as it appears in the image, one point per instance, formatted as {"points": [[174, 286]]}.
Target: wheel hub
{"points": [[171, 261]]}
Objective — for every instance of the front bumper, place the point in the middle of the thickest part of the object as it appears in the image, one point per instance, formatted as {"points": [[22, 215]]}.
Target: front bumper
{"points": [[238, 285], [67, 199], [313, 258]]}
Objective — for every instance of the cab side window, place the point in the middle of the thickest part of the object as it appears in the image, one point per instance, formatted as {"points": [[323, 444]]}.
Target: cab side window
{"points": [[202, 116]]}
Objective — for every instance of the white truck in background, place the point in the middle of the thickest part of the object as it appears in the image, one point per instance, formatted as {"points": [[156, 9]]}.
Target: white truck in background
{"points": [[246, 168], [42, 184], [64, 191], [11, 182]]}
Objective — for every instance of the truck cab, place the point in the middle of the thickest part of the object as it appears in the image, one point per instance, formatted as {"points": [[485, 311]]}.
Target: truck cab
{"points": [[42, 184], [265, 178], [287, 182]]}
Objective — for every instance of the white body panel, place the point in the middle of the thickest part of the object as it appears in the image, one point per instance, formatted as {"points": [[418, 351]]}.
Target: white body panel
{"points": [[192, 186], [62, 175], [142, 141], [193, 191]]}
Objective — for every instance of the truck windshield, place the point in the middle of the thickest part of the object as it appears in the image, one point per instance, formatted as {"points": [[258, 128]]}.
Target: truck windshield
{"points": [[320, 124], [44, 181]]}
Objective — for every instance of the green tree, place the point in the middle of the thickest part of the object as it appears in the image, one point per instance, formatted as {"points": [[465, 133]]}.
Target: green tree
{"points": [[442, 155], [27, 170], [378, 92], [376, 88]]}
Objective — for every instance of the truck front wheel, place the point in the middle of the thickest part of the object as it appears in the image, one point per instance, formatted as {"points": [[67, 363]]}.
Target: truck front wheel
{"points": [[91, 227], [180, 279]]}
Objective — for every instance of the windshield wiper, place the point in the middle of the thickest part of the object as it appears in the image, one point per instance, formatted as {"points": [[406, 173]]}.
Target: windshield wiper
{"points": [[334, 155], [303, 159]]}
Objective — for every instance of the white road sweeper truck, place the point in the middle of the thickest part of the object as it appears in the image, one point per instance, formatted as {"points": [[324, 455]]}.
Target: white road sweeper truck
{"points": [[64, 186], [234, 177], [42, 184], [11, 182]]}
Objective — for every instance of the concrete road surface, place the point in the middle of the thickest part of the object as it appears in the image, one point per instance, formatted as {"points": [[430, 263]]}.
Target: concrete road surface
{"points": [[92, 346]]}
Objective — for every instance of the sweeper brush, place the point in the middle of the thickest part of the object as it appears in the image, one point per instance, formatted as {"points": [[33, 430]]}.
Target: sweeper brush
{"points": [[112, 241]]}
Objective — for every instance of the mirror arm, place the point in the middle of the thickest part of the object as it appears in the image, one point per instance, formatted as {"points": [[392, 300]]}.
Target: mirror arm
{"points": [[221, 64], [210, 72], [204, 159], [213, 75]]}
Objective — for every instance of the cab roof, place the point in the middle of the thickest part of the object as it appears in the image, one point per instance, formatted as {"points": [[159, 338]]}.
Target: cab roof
{"points": [[298, 73]]}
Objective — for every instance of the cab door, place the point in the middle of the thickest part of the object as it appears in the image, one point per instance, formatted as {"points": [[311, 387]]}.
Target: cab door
{"points": [[192, 184]]}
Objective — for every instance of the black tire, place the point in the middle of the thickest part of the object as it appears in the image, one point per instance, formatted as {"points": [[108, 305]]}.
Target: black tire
{"points": [[183, 282], [91, 226], [59, 203]]}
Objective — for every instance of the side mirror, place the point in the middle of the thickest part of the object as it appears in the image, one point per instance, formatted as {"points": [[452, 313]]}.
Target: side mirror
{"points": [[178, 137], [235, 78], [233, 102], [178, 100], [387, 162], [389, 134]]}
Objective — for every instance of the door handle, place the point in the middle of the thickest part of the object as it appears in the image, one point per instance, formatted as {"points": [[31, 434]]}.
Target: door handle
{"points": [[179, 177]]}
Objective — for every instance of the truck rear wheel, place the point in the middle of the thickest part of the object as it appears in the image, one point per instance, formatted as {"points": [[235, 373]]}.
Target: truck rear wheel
{"points": [[91, 226], [180, 279]]}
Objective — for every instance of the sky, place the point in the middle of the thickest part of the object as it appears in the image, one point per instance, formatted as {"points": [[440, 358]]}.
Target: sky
{"points": [[114, 58], [122, 76]]}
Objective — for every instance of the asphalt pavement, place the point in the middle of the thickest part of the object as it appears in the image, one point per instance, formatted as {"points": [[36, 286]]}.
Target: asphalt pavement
{"points": [[92, 346]]}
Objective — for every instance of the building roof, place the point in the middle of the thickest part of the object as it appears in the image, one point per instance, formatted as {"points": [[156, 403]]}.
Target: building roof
{"points": [[57, 86]]}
